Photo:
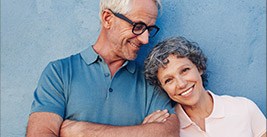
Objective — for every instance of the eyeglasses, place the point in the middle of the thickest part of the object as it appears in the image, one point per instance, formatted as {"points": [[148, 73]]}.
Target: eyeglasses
{"points": [[139, 27]]}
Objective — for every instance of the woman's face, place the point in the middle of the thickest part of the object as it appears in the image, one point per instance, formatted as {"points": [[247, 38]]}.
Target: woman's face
{"points": [[181, 80]]}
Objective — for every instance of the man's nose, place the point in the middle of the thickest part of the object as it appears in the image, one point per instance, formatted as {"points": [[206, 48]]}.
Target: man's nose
{"points": [[144, 37]]}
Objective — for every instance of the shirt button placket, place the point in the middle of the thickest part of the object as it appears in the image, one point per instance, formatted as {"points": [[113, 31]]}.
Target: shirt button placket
{"points": [[106, 74]]}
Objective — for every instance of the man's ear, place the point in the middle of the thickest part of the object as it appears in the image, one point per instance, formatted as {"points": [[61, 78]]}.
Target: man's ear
{"points": [[106, 19]]}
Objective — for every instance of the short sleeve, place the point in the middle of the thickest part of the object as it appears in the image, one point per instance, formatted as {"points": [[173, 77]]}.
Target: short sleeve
{"points": [[49, 95], [258, 120], [160, 101]]}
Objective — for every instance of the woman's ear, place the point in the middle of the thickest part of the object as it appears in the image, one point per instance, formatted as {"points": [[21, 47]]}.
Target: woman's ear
{"points": [[106, 19], [200, 71]]}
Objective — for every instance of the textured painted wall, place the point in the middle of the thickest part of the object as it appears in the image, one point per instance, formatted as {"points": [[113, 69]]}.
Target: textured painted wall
{"points": [[34, 32]]}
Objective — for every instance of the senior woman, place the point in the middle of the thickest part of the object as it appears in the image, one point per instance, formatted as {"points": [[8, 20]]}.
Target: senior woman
{"points": [[178, 66]]}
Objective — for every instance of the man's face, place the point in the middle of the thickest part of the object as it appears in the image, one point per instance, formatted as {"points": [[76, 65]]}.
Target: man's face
{"points": [[125, 44]]}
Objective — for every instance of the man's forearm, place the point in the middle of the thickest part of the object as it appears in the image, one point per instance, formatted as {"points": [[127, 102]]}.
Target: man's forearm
{"points": [[169, 128], [43, 124]]}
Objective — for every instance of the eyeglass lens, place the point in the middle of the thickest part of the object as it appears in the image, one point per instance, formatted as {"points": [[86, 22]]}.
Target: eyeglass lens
{"points": [[140, 28]]}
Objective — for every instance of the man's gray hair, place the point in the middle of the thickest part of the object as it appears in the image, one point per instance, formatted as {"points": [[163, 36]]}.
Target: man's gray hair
{"points": [[178, 46], [120, 6]]}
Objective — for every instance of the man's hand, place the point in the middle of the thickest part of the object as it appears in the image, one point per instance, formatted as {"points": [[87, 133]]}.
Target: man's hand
{"points": [[157, 116], [70, 128]]}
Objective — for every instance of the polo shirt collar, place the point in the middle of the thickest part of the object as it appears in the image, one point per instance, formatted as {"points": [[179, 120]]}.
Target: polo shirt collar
{"points": [[131, 66], [218, 107], [90, 56], [217, 112], [185, 121]]}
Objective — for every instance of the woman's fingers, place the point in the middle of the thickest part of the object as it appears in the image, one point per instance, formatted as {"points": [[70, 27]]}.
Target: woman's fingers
{"points": [[157, 116]]}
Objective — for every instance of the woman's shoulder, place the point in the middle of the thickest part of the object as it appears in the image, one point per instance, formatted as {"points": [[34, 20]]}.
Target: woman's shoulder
{"points": [[237, 100], [236, 103]]}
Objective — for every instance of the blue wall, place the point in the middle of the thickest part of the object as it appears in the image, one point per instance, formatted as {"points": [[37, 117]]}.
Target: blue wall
{"points": [[34, 32]]}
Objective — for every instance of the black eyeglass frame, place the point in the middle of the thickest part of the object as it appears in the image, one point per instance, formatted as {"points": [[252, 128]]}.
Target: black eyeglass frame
{"points": [[121, 16]]}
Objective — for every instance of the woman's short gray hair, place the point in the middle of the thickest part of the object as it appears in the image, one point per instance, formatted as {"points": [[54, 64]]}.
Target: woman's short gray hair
{"points": [[180, 47], [120, 6]]}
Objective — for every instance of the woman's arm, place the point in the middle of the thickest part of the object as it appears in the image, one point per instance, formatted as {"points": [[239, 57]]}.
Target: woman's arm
{"points": [[264, 135]]}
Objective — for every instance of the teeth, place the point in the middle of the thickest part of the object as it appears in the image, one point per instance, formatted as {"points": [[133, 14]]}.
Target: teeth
{"points": [[134, 45], [186, 92]]}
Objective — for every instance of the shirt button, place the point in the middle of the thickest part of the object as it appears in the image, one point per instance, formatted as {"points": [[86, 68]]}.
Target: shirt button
{"points": [[110, 89], [106, 74]]}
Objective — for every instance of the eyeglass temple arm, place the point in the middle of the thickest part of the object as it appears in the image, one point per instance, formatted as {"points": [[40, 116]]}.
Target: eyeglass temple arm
{"points": [[122, 17]]}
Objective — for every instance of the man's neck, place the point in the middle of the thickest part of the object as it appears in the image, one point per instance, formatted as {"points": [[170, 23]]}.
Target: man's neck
{"points": [[114, 62]]}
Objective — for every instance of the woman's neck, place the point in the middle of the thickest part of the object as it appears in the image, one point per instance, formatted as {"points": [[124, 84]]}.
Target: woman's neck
{"points": [[201, 110]]}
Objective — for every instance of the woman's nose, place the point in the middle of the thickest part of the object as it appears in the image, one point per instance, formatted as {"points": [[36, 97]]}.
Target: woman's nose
{"points": [[180, 82]]}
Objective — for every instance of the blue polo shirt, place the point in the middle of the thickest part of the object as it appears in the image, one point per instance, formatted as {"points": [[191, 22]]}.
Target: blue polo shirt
{"points": [[80, 88]]}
